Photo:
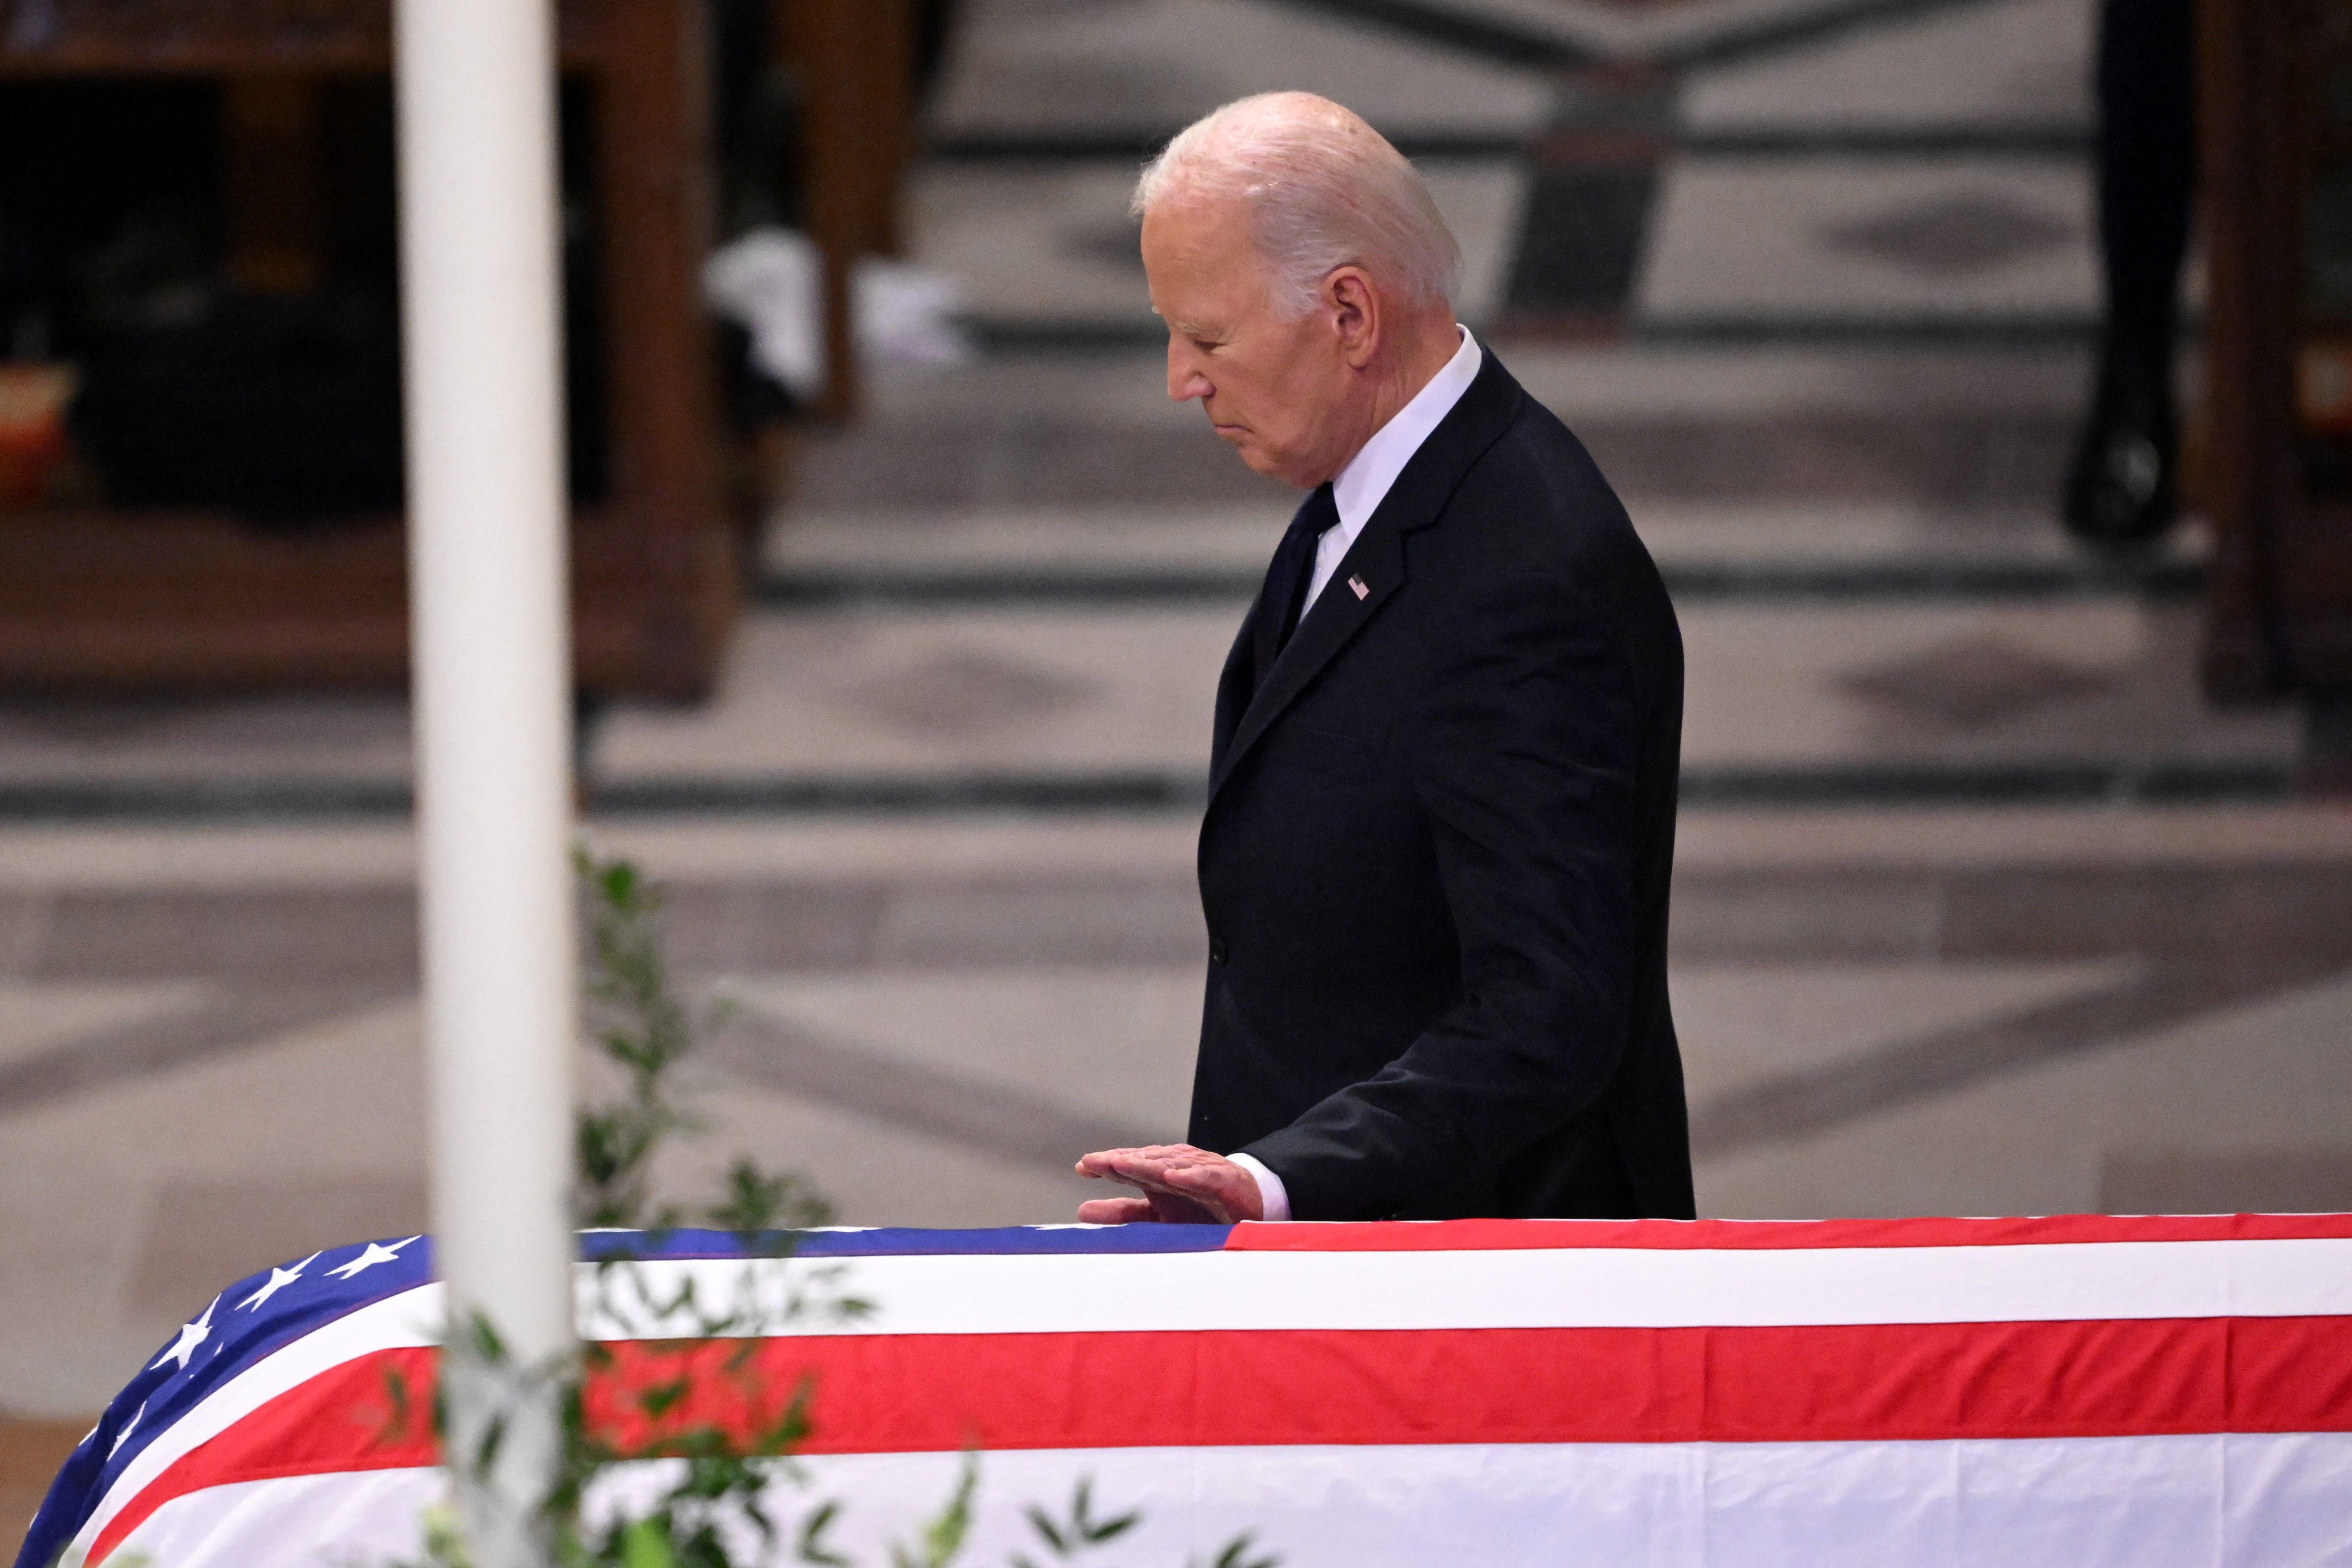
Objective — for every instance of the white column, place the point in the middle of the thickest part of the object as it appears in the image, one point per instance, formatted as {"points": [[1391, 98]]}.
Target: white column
{"points": [[480, 285]]}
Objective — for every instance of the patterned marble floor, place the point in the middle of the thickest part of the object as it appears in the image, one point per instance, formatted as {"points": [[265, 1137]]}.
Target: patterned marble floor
{"points": [[1841, 167], [2003, 66], [1045, 67], [1978, 907]]}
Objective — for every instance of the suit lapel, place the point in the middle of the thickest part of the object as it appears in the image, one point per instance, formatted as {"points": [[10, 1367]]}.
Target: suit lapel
{"points": [[1336, 616], [1376, 560], [1234, 690]]}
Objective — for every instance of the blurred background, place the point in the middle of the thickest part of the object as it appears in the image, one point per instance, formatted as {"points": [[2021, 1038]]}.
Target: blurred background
{"points": [[2015, 872]]}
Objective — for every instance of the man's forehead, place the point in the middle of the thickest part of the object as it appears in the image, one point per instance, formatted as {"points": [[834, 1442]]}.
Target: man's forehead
{"points": [[1201, 264], [1192, 312]]}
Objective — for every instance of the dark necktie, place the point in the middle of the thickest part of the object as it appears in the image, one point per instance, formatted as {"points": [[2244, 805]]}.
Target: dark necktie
{"points": [[1286, 580]]}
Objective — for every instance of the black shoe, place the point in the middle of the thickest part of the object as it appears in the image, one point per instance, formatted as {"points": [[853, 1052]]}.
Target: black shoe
{"points": [[2124, 491]]}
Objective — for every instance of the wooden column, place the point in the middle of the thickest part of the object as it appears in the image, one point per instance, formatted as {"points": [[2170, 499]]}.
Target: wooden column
{"points": [[2276, 184], [854, 62], [94, 596], [669, 492], [2252, 226]]}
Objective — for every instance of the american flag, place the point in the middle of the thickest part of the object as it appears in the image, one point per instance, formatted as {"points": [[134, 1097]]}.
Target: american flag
{"points": [[2068, 1391]]}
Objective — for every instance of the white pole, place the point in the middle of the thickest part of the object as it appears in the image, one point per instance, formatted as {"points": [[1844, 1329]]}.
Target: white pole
{"points": [[492, 680]]}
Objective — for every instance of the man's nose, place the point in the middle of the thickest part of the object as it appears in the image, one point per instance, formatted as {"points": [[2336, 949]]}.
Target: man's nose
{"points": [[1184, 381]]}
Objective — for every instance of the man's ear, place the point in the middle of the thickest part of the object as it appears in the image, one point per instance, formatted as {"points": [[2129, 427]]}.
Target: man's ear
{"points": [[1355, 310]]}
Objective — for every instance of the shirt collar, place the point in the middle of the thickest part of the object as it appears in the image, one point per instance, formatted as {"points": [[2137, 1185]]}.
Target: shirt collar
{"points": [[1363, 481]]}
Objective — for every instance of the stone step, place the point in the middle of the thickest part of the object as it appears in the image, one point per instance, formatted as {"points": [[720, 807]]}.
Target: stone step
{"points": [[1077, 707], [1974, 432]]}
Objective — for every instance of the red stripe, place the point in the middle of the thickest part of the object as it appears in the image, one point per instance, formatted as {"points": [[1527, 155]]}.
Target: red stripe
{"points": [[1732, 1234], [920, 1392], [373, 1412], [923, 1393]]}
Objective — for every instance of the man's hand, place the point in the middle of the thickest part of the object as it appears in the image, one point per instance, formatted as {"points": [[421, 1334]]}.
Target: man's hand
{"points": [[1180, 1185]]}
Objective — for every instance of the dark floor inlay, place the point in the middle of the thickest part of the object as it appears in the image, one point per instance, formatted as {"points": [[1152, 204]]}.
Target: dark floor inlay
{"points": [[1455, 27], [1579, 249], [1974, 683], [203, 800], [1058, 793], [1589, 199], [1955, 236], [2122, 782]]}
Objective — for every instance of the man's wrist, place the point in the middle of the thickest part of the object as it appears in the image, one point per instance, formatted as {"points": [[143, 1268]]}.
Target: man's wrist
{"points": [[1274, 1201]]}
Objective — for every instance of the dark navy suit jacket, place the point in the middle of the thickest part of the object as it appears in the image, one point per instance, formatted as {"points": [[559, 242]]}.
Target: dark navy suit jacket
{"points": [[1436, 853]]}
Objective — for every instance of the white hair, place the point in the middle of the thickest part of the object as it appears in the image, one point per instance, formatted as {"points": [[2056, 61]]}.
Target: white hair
{"points": [[1324, 190]]}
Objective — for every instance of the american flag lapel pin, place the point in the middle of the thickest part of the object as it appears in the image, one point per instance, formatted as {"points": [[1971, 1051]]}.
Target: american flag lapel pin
{"points": [[1357, 585]]}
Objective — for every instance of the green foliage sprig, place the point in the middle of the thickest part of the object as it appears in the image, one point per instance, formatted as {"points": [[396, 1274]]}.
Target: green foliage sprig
{"points": [[641, 1026], [723, 1495]]}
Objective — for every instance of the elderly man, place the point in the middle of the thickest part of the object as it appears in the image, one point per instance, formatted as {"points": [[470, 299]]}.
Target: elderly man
{"points": [[1442, 795]]}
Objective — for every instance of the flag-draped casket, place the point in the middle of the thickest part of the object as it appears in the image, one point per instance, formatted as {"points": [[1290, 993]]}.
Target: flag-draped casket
{"points": [[2066, 1392]]}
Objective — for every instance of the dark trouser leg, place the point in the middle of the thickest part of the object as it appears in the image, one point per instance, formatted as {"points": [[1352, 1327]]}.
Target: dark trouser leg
{"points": [[2123, 487]]}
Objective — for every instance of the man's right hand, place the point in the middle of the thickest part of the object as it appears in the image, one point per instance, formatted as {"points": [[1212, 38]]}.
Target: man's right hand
{"points": [[1180, 1185]]}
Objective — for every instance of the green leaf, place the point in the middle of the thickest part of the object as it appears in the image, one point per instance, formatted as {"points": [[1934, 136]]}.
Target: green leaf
{"points": [[944, 1538], [813, 1545], [1042, 1523], [486, 1343], [661, 1399], [1112, 1528], [395, 1426], [645, 1545], [1236, 1555]]}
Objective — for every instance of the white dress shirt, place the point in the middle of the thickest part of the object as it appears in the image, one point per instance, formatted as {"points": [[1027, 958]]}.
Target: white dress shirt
{"points": [[1361, 484], [1363, 481]]}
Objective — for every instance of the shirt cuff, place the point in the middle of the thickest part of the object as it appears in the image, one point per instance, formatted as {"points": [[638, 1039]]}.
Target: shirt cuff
{"points": [[1270, 1196]]}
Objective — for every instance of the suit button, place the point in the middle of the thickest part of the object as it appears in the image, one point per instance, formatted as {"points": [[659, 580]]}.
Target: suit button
{"points": [[1216, 950]]}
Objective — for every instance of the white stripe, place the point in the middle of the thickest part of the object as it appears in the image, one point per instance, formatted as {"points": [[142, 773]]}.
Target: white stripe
{"points": [[338, 1521], [2260, 1501], [2239, 1502], [1547, 1288], [411, 1318]]}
